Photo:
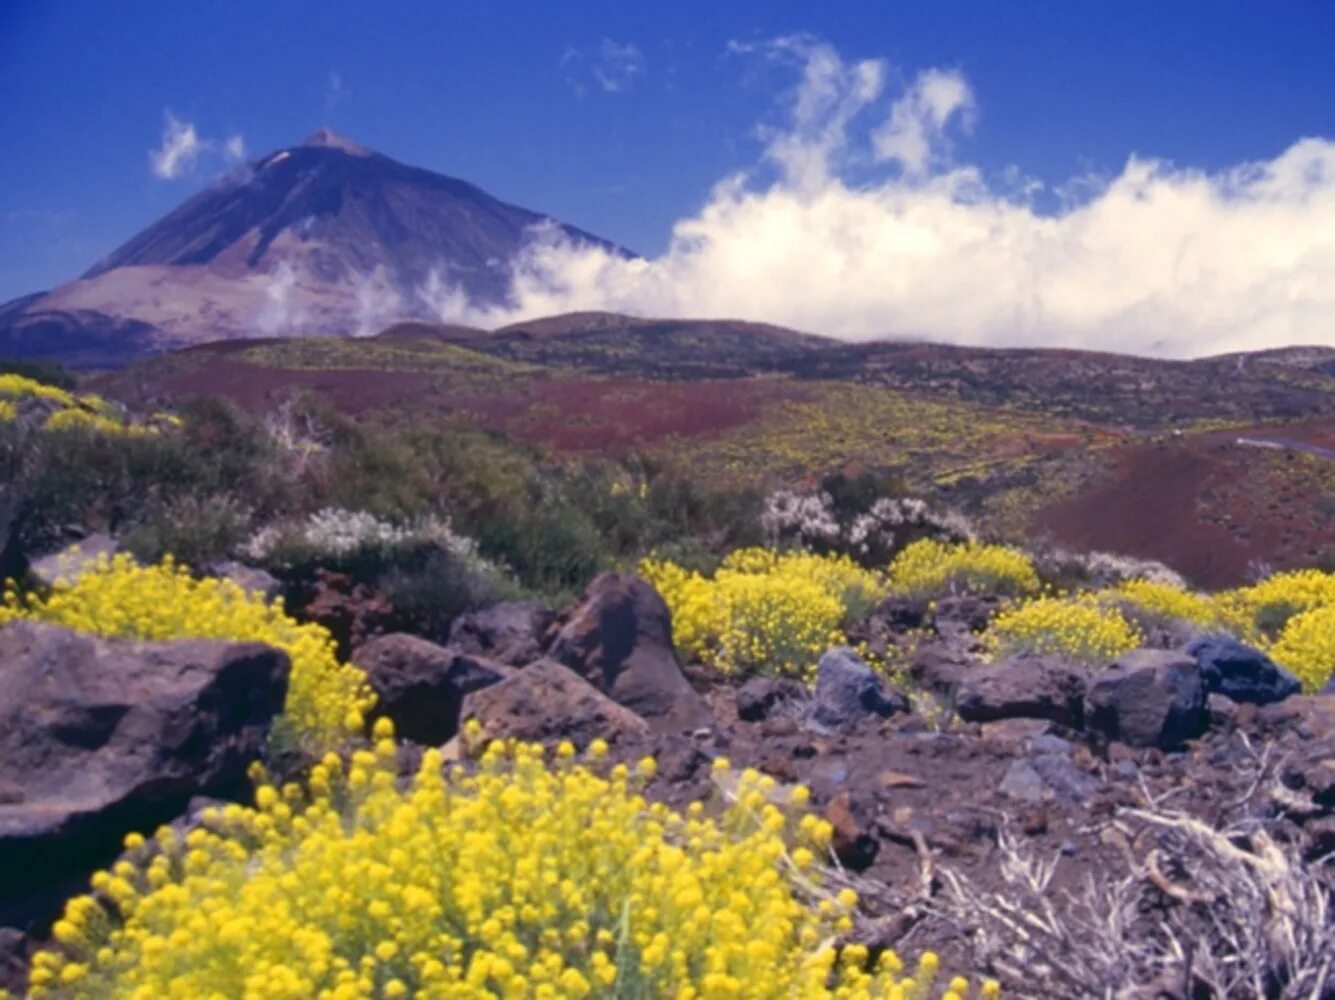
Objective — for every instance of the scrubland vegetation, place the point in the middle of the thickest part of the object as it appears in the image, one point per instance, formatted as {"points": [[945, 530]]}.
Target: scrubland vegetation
{"points": [[514, 871]]}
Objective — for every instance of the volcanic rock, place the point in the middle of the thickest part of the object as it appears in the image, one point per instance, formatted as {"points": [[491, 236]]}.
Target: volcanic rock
{"points": [[848, 691], [548, 701], [512, 632], [254, 581], [1025, 687], [73, 561], [760, 696], [619, 638], [1148, 698], [1240, 672], [101, 737], [421, 686]]}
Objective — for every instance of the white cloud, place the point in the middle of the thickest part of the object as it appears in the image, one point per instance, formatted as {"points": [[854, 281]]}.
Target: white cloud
{"points": [[914, 135], [178, 151], [1157, 259], [181, 149], [612, 66], [335, 91]]}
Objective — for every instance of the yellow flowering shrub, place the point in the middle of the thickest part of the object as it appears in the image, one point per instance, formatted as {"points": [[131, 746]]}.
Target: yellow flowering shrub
{"points": [[326, 700], [929, 568], [1170, 601], [1306, 647], [763, 611], [1261, 611], [520, 879], [16, 387], [1079, 628], [88, 411]]}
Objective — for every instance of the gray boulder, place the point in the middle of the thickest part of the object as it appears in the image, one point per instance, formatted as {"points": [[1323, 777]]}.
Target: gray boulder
{"points": [[619, 638], [512, 632], [73, 561], [848, 691], [421, 686], [1239, 672], [1025, 687], [101, 737], [251, 579], [1148, 698]]}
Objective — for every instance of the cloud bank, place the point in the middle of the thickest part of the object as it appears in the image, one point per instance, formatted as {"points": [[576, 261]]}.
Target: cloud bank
{"points": [[181, 150], [1160, 259]]}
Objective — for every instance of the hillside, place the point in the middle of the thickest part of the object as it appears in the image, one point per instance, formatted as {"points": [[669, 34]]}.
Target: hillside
{"points": [[1214, 466]]}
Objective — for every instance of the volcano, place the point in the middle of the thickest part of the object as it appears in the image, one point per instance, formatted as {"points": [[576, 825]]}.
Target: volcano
{"points": [[323, 238]]}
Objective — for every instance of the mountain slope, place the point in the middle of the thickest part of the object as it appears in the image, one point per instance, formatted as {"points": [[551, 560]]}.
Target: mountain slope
{"points": [[325, 237]]}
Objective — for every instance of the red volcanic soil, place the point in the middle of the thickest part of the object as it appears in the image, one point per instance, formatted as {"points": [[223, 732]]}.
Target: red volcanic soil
{"points": [[255, 388], [613, 415], [610, 416], [1204, 504]]}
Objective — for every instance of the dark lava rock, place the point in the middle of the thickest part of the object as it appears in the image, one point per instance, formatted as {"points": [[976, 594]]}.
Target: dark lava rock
{"points": [[1026, 687], [619, 638], [938, 666], [11, 555], [760, 696], [548, 701], [847, 691], [1241, 673], [15, 953], [1148, 698], [102, 737], [1023, 783], [1329, 687], [513, 632], [421, 686]]}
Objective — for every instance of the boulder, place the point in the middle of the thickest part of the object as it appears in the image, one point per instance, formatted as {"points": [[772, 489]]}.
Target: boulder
{"points": [[513, 632], [1025, 687], [848, 691], [420, 686], [619, 638], [1329, 687], [251, 579], [939, 665], [1148, 698], [101, 737], [1241, 673], [760, 696], [546, 702], [73, 561]]}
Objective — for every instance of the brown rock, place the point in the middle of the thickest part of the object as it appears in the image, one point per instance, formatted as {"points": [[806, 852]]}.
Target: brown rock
{"points": [[513, 632], [421, 686], [101, 737], [854, 847], [1025, 687], [547, 701], [619, 638]]}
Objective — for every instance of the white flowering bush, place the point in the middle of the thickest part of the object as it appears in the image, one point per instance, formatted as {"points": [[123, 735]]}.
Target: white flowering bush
{"points": [[812, 520], [334, 535]]}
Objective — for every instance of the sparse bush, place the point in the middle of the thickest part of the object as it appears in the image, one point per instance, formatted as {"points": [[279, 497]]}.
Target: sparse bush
{"points": [[522, 879], [1077, 628], [929, 568], [193, 530]]}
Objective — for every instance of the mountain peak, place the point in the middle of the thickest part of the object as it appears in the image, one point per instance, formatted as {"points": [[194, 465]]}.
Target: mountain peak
{"points": [[327, 138]]}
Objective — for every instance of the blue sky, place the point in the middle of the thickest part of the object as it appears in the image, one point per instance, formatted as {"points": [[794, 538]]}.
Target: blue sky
{"points": [[617, 117]]}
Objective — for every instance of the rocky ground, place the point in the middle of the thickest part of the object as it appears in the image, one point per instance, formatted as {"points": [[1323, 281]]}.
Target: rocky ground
{"points": [[1160, 828]]}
